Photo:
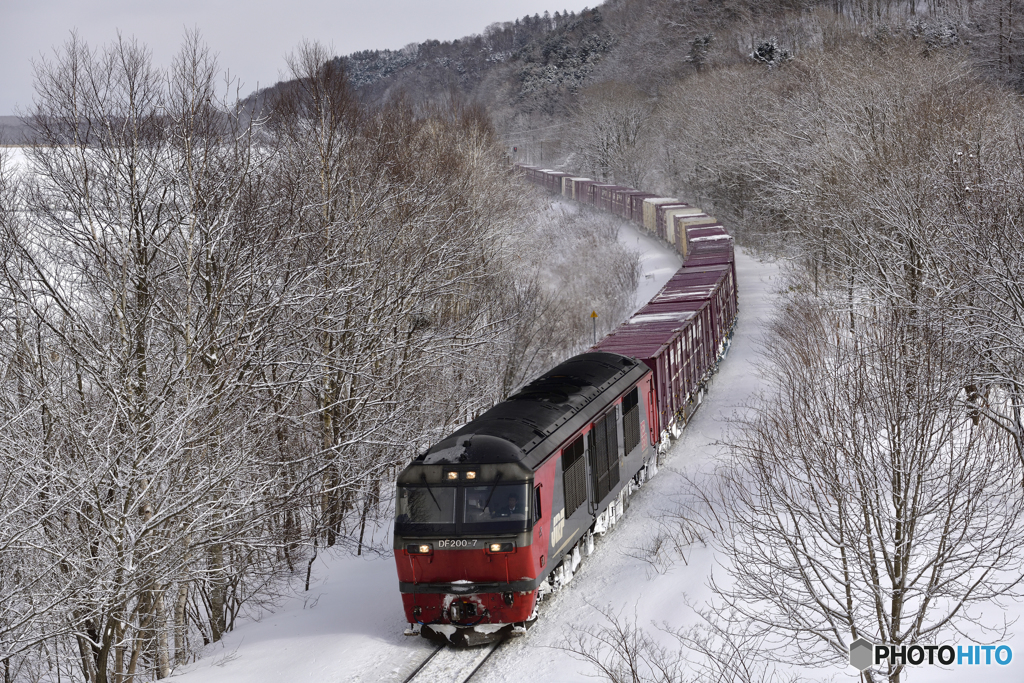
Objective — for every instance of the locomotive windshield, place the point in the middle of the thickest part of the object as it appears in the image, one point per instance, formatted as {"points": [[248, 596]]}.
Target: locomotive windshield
{"points": [[432, 506], [496, 508], [478, 509]]}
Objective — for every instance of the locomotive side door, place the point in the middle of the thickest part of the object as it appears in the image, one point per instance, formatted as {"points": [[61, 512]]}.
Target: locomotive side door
{"points": [[652, 413], [602, 442]]}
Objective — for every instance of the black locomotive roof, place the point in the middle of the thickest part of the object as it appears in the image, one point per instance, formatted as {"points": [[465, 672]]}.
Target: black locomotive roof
{"points": [[546, 411]]}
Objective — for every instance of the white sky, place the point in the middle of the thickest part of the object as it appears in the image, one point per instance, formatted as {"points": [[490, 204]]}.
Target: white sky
{"points": [[251, 38]]}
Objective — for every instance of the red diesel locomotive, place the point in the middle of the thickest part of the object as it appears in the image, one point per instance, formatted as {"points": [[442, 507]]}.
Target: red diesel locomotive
{"points": [[486, 516], [501, 512]]}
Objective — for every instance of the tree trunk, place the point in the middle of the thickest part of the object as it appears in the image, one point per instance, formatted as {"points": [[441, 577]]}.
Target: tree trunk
{"points": [[163, 664], [218, 591], [180, 627]]}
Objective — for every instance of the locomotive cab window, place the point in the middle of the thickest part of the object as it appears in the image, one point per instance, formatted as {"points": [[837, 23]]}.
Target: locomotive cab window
{"points": [[426, 506], [497, 508]]}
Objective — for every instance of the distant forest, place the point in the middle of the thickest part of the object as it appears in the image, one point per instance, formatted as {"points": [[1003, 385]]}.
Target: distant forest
{"points": [[532, 73]]}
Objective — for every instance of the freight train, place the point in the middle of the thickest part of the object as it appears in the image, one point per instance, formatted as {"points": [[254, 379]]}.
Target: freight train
{"points": [[499, 514]]}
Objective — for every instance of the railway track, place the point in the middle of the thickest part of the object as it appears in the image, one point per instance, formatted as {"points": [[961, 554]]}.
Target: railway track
{"points": [[457, 665]]}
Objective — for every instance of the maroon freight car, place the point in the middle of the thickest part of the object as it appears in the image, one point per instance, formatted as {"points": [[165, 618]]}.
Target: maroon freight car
{"points": [[683, 331]]}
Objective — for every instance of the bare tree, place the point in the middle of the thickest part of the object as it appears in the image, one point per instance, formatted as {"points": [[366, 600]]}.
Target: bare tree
{"points": [[622, 651], [407, 256], [152, 308], [982, 188], [611, 133], [863, 499], [570, 263], [223, 331], [33, 589]]}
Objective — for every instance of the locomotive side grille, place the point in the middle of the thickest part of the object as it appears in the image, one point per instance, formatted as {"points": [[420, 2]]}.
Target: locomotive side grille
{"points": [[574, 476]]}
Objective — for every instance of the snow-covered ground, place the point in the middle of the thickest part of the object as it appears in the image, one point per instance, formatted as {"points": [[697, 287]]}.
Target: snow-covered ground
{"points": [[349, 626], [14, 155], [657, 262]]}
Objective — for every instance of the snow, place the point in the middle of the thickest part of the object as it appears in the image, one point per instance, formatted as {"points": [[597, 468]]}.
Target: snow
{"points": [[658, 263], [710, 238], [447, 629], [15, 156], [691, 293], [349, 627], [660, 317], [452, 454]]}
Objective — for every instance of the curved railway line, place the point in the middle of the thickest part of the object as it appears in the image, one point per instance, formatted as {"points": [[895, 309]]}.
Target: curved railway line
{"points": [[500, 513]]}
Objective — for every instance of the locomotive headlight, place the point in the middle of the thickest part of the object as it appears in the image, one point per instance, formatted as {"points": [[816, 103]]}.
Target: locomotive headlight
{"points": [[418, 549], [470, 475], [451, 475], [501, 547]]}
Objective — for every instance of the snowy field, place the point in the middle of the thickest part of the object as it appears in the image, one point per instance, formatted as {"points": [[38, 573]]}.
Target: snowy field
{"points": [[14, 155], [349, 626]]}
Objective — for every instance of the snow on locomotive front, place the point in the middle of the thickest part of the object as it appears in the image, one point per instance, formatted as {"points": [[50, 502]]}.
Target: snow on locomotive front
{"points": [[484, 516]]}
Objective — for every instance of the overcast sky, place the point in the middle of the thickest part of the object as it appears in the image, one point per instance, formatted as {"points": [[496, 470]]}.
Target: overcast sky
{"points": [[251, 38]]}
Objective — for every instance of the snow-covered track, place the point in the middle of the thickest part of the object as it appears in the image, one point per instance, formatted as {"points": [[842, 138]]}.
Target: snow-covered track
{"points": [[453, 664]]}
